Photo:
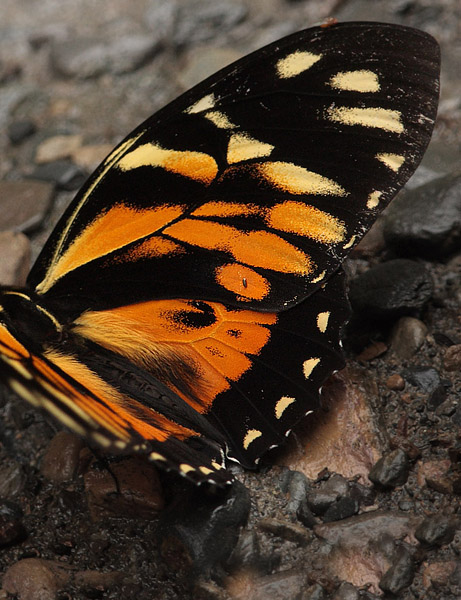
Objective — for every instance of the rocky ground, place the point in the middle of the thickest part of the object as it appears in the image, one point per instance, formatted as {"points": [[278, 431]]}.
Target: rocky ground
{"points": [[364, 502]]}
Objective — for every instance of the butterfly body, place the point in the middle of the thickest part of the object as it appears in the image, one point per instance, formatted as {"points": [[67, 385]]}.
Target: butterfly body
{"points": [[190, 303]]}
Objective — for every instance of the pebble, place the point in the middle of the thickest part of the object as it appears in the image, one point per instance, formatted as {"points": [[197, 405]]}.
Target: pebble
{"points": [[24, 204], [295, 485], [62, 458], [64, 174], [395, 382], [391, 289], [346, 591], [198, 532], [401, 573], [57, 147], [90, 57], [13, 478], [452, 358], [426, 221], [196, 20], [18, 131], [407, 337], [290, 532], [247, 554], [341, 509], [313, 592], [305, 515], [391, 470], [435, 474], [90, 156], [437, 530], [15, 251], [127, 488], [427, 379]]}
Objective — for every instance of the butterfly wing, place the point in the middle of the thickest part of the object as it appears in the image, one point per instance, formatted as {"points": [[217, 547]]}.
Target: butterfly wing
{"points": [[187, 300], [253, 186]]}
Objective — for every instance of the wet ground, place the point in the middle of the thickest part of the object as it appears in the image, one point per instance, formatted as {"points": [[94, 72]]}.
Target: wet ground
{"points": [[364, 501]]}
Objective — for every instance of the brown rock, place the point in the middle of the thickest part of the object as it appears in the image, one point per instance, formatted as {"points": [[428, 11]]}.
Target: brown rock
{"points": [[434, 473], [278, 586], [90, 156], [139, 494], [57, 147], [344, 438], [285, 530], [372, 351], [395, 382], [62, 458], [15, 253], [24, 204], [408, 336], [452, 358], [36, 579], [437, 574]]}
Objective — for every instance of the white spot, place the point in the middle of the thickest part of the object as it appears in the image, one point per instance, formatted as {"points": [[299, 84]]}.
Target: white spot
{"points": [[243, 147], [393, 161], [282, 405], [381, 118], [373, 199], [350, 243], [356, 81], [309, 365], [296, 63], [250, 437], [204, 103], [322, 321], [319, 277], [219, 119]]}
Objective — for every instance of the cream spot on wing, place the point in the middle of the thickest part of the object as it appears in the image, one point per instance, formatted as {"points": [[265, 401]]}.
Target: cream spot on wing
{"points": [[298, 180], [250, 437], [322, 321], [157, 456], [350, 243], [185, 468], [296, 63], [195, 165], [381, 118], [120, 444], [319, 277], [356, 81], [219, 119], [204, 103], [393, 161], [309, 365], [373, 199], [205, 470], [216, 465], [282, 405], [243, 147]]}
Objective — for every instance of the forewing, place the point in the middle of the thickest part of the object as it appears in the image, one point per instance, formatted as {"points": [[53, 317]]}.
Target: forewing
{"points": [[252, 187]]}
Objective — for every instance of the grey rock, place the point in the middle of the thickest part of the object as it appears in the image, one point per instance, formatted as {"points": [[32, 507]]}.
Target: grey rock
{"points": [[391, 470]]}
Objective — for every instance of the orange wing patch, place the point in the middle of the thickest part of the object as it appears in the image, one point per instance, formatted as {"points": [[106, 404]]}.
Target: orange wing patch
{"points": [[214, 342]]}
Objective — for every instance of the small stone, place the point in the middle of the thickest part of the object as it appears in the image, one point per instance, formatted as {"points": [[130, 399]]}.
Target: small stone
{"points": [[407, 337], [438, 574], [372, 351], [285, 530], [12, 478], [35, 578], [305, 515], [90, 57], [341, 509], [401, 573], [391, 470], [15, 252], [90, 156], [24, 204], [427, 379], [198, 20], [58, 147], [427, 220], [452, 358], [246, 553], [18, 131], [395, 382], [285, 585], [130, 489], [437, 397], [64, 174], [313, 592], [346, 591], [295, 485], [62, 458], [391, 289], [437, 530], [435, 474]]}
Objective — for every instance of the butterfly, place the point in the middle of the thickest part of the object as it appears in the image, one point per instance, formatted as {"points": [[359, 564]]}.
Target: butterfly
{"points": [[189, 303]]}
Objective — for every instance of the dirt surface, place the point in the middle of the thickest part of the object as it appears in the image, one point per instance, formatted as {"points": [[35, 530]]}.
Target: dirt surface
{"points": [[310, 524]]}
